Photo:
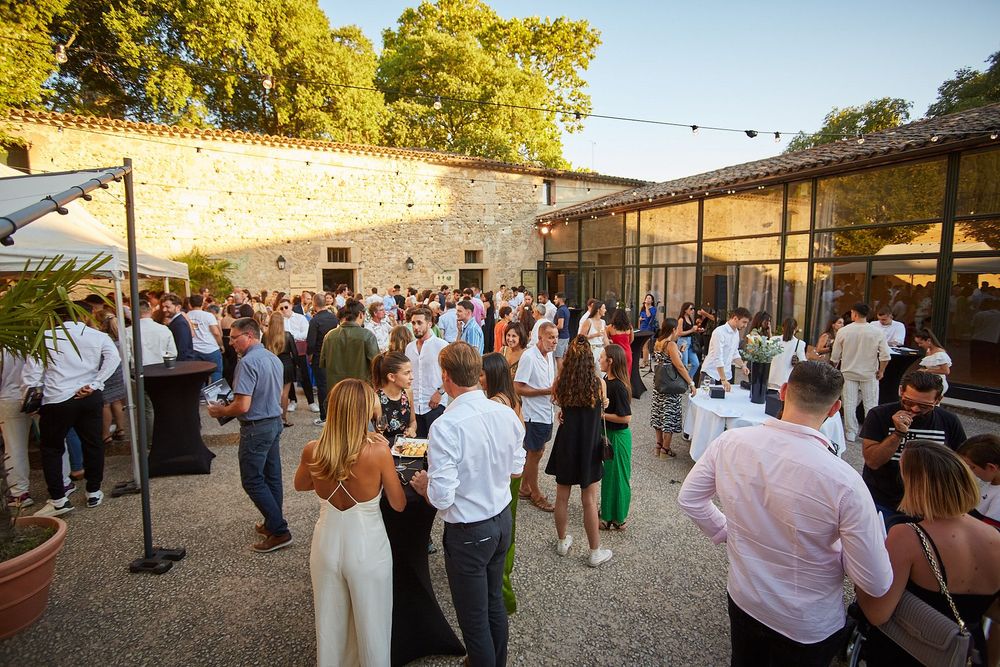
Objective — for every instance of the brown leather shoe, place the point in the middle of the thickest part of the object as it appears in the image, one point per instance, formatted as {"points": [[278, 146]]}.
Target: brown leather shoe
{"points": [[261, 530], [272, 543]]}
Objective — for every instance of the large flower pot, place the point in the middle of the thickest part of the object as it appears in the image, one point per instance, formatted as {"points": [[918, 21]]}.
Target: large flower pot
{"points": [[759, 373], [24, 581]]}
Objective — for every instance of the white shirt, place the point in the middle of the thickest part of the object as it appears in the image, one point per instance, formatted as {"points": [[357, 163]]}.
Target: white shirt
{"points": [[516, 301], [781, 365], [937, 359], [797, 517], [11, 388], [339, 301], [533, 338], [475, 446], [298, 326], [538, 371], [381, 330], [858, 349], [201, 323], [723, 348], [426, 372], [550, 311], [157, 341], [894, 334], [93, 361]]}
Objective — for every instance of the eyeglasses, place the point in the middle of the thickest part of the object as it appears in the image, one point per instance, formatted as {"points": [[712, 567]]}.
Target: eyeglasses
{"points": [[284, 308], [237, 337], [910, 404]]}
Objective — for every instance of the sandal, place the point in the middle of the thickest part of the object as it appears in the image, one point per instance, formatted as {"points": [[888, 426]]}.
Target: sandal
{"points": [[619, 526], [659, 448], [523, 496], [542, 503], [287, 424], [669, 452], [108, 440], [605, 525]]}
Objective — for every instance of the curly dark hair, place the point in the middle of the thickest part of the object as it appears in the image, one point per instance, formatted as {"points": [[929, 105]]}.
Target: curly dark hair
{"points": [[578, 384]]}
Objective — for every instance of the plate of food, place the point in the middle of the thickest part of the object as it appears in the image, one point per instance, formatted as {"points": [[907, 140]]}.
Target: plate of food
{"points": [[414, 448]]}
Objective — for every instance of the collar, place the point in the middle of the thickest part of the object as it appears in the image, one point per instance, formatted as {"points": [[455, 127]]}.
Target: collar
{"points": [[812, 435], [474, 395]]}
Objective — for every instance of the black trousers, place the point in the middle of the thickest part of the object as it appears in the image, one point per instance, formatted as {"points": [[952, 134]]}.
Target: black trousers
{"points": [[754, 644], [86, 416], [302, 368], [474, 556], [425, 420], [319, 374]]}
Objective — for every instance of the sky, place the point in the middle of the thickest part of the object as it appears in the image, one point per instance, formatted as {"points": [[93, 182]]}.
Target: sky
{"points": [[768, 66]]}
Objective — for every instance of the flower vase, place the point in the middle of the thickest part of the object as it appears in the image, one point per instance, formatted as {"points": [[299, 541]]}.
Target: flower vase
{"points": [[759, 373]]}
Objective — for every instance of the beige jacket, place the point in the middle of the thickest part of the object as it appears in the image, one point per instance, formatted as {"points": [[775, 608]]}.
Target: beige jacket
{"points": [[859, 348]]}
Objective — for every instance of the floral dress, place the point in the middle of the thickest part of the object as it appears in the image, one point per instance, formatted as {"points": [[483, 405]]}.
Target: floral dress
{"points": [[397, 412]]}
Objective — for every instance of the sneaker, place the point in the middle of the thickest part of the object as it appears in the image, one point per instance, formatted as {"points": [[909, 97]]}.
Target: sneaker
{"points": [[319, 422], [69, 489], [23, 500], [598, 556], [563, 545], [94, 499], [272, 543], [314, 407], [292, 405], [55, 507], [431, 549]]}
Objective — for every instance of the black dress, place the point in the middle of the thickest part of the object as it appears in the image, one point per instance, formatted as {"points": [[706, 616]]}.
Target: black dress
{"points": [[287, 358], [576, 452]]}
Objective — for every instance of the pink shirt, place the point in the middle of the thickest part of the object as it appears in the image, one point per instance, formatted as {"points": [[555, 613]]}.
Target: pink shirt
{"points": [[797, 518]]}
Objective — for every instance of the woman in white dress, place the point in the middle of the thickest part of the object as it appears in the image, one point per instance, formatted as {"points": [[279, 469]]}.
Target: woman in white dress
{"points": [[350, 561], [795, 351], [593, 328], [935, 360]]}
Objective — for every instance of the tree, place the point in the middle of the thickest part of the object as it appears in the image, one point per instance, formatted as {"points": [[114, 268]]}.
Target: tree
{"points": [[463, 49], [969, 89], [205, 271], [879, 114], [203, 64]]}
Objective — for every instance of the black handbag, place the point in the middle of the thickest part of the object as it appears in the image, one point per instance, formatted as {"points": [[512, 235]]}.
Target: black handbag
{"points": [[32, 401], [667, 380], [607, 453]]}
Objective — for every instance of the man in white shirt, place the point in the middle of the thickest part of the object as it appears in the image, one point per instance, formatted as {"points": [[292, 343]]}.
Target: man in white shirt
{"points": [[157, 341], [516, 300], [448, 322], [540, 318], [797, 518], [474, 450], [206, 334], [298, 326], [894, 332], [862, 354], [72, 383], [536, 372], [550, 308], [379, 324], [428, 392], [724, 348], [373, 297]]}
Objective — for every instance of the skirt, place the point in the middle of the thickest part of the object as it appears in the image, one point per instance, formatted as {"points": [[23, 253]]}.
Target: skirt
{"points": [[665, 412], [616, 486], [114, 387]]}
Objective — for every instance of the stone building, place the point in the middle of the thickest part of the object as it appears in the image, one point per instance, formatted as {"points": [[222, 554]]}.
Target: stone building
{"points": [[367, 216]]}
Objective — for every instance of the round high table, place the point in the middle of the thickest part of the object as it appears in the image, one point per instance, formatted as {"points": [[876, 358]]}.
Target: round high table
{"points": [[175, 392], [639, 339]]}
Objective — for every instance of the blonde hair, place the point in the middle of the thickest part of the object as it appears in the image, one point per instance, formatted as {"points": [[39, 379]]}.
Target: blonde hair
{"points": [[937, 483], [399, 338], [351, 406], [274, 339]]}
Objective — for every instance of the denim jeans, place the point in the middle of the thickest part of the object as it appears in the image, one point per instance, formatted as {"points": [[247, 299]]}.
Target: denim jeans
{"points": [[215, 358], [260, 470], [75, 449], [688, 356]]}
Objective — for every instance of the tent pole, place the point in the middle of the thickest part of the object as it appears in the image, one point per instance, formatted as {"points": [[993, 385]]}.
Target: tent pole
{"points": [[126, 487], [155, 561]]}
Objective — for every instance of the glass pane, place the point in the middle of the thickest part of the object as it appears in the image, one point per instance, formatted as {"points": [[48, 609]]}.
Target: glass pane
{"points": [[898, 240], [717, 284], [670, 254], [680, 288], [743, 213], [603, 284], [797, 246], [563, 237], [890, 194], [758, 286], [631, 256], [608, 257], [793, 295], [651, 282], [629, 296], [742, 250], [977, 235], [562, 277], [669, 223], [799, 203], [974, 322], [838, 287], [631, 228], [906, 286], [979, 184], [603, 232]]}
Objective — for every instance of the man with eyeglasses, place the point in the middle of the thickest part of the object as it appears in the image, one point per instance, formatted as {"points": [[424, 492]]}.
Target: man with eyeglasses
{"points": [[888, 427]]}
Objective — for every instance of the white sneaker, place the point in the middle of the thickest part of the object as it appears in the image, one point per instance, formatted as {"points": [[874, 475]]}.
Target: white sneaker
{"points": [[563, 545], [292, 405], [94, 499], [319, 422], [55, 508], [314, 407], [598, 556]]}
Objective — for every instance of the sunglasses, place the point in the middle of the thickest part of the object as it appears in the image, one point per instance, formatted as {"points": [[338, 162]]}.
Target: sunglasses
{"points": [[284, 308], [911, 404]]}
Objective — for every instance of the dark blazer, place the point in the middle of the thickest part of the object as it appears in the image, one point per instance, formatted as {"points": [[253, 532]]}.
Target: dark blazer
{"points": [[181, 329], [320, 325]]}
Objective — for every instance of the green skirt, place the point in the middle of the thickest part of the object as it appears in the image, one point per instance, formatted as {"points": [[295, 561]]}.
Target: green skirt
{"points": [[509, 601], [616, 487]]}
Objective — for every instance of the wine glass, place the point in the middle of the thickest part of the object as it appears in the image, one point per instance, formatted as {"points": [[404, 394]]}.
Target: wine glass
{"points": [[382, 424]]}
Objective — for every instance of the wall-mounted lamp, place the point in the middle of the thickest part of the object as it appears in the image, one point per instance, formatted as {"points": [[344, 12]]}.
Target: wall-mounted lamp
{"points": [[280, 262], [545, 230], [409, 264]]}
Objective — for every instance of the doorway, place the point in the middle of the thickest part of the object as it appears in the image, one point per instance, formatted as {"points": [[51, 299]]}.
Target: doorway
{"points": [[470, 278], [334, 277]]}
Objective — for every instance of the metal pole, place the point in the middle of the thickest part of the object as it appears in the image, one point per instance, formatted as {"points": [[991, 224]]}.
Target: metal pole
{"points": [[129, 396]]}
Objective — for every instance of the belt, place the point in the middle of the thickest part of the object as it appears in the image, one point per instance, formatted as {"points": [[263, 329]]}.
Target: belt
{"points": [[257, 421], [473, 524]]}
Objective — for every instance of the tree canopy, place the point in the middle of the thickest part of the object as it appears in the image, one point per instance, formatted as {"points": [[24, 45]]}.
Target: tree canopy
{"points": [[879, 114], [968, 89]]}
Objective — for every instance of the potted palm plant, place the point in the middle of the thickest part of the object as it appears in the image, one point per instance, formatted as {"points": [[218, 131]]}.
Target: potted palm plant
{"points": [[29, 545]]}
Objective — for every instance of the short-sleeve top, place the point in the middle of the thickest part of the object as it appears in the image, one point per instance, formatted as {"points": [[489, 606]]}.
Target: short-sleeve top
{"points": [[397, 412], [618, 403], [937, 359], [259, 376], [563, 312], [537, 371]]}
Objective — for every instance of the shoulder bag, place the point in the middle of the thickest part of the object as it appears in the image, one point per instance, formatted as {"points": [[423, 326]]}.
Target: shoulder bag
{"points": [[923, 631], [667, 380], [607, 453]]}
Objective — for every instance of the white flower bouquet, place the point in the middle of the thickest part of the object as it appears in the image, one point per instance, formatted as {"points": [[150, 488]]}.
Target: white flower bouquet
{"points": [[761, 349]]}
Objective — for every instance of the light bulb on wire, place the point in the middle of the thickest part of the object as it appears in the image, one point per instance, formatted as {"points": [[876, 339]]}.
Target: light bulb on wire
{"points": [[861, 140], [267, 82], [750, 133], [60, 54], [694, 129], [777, 137], [437, 103]]}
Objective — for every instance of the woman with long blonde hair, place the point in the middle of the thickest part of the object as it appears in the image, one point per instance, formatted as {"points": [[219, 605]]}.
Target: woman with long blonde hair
{"points": [[282, 345], [349, 468]]}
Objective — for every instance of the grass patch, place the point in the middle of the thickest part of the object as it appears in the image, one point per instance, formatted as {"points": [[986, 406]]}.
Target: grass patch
{"points": [[25, 539]]}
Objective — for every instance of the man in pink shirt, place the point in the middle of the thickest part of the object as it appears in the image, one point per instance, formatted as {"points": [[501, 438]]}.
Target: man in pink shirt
{"points": [[797, 518]]}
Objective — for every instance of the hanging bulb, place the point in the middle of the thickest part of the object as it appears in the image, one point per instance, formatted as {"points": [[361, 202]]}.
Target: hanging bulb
{"points": [[60, 54], [993, 135], [694, 129], [861, 139], [934, 139], [577, 115], [777, 137], [267, 82], [751, 133], [437, 103]]}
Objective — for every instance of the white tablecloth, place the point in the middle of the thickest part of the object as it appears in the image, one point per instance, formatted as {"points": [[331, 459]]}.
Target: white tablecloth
{"points": [[707, 418]]}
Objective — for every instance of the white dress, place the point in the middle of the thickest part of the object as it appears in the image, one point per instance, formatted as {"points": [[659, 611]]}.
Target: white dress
{"points": [[597, 342], [937, 359], [351, 567], [781, 365]]}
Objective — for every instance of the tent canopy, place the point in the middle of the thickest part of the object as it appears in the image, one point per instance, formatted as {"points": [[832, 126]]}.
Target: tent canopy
{"points": [[76, 236]]}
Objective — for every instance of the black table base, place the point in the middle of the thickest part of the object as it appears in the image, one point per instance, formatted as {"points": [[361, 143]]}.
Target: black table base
{"points": [[639, 339], [176, 393]]}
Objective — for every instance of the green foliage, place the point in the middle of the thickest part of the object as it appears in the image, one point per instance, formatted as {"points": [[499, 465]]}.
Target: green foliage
{"points": [[205, 271], [879, 114], [969, 89], [463, 49]]}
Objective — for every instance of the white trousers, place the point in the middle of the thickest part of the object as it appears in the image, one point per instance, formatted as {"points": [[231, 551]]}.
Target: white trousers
{"points": [[867, 392], [15, 427]]}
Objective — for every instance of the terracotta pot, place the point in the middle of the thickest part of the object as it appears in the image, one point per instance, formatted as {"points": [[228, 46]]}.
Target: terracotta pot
{"points": [[24, 581]]}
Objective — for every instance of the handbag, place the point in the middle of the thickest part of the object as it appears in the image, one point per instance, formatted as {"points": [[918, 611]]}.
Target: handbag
{"points": [[32, 401], [607, 453], [923, 631], [667, 380], [795, 355]]}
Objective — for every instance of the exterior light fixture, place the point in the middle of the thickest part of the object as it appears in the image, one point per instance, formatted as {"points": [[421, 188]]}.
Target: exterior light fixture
{"points": [[409, 264], [280, 262], [993, 135], [60, 54], [934, 139], [750, 133], [777, 137], [694, 129], [545, 230], [437, 103]]}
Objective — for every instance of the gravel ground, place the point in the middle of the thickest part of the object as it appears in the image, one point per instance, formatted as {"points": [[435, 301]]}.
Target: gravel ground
{"points": [[660, 600]]}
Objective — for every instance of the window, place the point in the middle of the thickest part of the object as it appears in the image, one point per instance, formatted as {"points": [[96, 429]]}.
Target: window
{"points": [[742, 250], [338, 255], [744, 214], [888, 240], [549, 192], [563, 237], [892, 194], [979, 184], [473, 256], [799, 203], [974, 322], [603, 233], [669, 224]]}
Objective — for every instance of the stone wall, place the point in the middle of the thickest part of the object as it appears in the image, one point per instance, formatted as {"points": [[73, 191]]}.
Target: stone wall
{"points": [[251, 199]]}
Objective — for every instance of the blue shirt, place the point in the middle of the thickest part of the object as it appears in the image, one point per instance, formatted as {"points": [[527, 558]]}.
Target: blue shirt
{"points": [[259, 375], [389, 304], [449, 325], [647, 323], [473, 335], [563, 312]]}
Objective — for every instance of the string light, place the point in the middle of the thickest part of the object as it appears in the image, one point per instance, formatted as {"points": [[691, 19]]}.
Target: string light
{"points": [[694, 129], [777, 137], [934, 139], [993, 135], [437, 103], [750, 133], [861, 140], [267, 82], [60, 54]]}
